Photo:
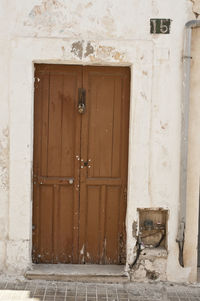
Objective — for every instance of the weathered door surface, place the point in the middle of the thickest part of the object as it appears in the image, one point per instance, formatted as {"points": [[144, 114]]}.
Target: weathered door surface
{"points": [[80, 164]]}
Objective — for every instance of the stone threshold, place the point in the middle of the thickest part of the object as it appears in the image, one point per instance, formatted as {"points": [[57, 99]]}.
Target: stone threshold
{"points": [[78, 273]]}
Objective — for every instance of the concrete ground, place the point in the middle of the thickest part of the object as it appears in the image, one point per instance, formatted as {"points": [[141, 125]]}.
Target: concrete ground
{"points": [[35, 290]]}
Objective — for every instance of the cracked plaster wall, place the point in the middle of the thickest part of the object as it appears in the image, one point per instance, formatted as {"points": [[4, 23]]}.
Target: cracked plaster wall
{"points": [[102, 32]]}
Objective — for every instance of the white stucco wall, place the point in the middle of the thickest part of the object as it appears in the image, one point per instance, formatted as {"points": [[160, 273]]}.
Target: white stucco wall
{"points": [[49, 31], [193, 155]]}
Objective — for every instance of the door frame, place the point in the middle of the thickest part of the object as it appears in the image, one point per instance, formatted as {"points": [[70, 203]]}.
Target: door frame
{"points": [[124, 74]]}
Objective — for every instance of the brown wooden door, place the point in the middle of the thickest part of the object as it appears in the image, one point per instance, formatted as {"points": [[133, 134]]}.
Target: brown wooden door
{"points": [[80, 164], [56, 144]]}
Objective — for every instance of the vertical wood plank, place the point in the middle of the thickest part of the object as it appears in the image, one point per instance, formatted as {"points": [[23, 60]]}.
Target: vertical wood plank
{"points": [[112, 225], [55, 125], [117, 129], [92, 225], [102, 224], [124, 164], [55, 220], [46, 224]]}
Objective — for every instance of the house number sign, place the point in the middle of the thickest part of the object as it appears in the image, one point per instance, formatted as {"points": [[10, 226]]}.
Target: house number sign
{"points": [[160, 26]]}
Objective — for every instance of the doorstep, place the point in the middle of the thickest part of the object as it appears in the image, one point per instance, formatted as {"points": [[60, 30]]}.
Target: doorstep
{"points": [[78, 273]]}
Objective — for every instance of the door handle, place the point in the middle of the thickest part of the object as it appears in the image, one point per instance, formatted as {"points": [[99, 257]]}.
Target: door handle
{"points": [[71, 181]]}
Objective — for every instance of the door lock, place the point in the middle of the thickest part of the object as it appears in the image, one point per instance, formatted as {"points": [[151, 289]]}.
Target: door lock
{"points": [[85, 163], [81, 108], [81, 100]]}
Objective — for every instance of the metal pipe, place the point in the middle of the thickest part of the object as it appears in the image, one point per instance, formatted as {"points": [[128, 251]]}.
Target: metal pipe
{"points": [[184, 134]]}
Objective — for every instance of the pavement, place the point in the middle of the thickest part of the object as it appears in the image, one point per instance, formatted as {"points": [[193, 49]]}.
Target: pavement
{"points": [[35, 290]]}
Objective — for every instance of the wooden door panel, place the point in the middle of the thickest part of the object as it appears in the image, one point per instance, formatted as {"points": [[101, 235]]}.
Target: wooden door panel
{"points": [[100, 125], [117, 128], [41, 107], [57, 127], [62, 112], [69, 113], [104, 145], [54, 151]]}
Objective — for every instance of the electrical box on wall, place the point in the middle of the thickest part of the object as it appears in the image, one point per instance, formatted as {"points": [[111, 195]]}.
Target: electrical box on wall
{"points": [[153, 227]]}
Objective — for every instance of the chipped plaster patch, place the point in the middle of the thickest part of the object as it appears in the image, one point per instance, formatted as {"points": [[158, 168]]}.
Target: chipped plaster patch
{"points": [[134, 229], [155, 10], [196, 7], [143, 96], [108, 23], [77, 49], [118, 56], [105, 52], [89, 4], [47, 5], [4, 152], [150, 266], [89, 49], [44, 18], [140, 273], [63, 51], [35, 11]]}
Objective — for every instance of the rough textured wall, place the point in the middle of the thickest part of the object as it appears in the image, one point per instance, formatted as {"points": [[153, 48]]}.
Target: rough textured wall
{"points": [[94, 32]]}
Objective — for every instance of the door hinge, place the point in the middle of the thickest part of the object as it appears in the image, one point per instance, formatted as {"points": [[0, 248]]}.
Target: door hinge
{"points": [[81, 100]]}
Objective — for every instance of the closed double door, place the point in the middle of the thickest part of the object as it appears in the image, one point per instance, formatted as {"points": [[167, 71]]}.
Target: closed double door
{"points": [[81, 121]]}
